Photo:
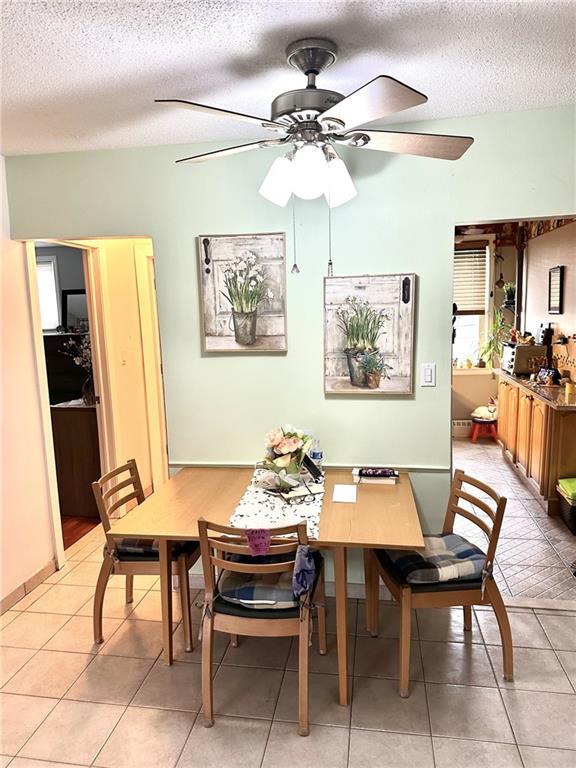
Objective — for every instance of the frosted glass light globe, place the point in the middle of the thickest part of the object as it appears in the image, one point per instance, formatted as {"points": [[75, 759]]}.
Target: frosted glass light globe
{"points": [[277, 185], [309, 179], [339, 185]]}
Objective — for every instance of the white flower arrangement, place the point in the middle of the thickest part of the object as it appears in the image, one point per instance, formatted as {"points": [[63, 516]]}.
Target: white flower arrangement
{"points": [[245, 283]]}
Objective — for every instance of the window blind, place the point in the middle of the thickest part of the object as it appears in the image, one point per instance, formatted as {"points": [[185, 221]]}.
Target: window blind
{"points": [[470, 281]]}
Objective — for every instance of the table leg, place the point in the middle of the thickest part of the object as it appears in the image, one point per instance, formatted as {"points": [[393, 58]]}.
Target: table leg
{"points": [[166, 596], [341, 582]]}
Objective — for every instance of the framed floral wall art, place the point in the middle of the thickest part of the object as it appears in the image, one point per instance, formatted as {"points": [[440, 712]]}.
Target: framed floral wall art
{"points": [[243, 292], [369, 334]]}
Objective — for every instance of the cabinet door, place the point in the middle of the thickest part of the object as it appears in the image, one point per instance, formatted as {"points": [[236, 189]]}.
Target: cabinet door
{"points": [[512, 419], [538, 442], [503, 390], [523, 432]]}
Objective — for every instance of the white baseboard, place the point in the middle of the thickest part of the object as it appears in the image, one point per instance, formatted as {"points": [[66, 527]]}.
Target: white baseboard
{"points": [[461, 427], [24, 589]]}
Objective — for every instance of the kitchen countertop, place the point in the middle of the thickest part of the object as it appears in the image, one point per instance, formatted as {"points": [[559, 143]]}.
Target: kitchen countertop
{"points": [[554, 396]]}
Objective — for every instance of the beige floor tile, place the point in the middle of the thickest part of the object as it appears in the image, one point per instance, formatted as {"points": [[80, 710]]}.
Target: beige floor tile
{"points": [[140, 582], [83, 574], [74, 732], [331, 615], [463, 711], [31, 597], [271, 652], [248, 738], [540, 757], [19, 718], [327, 664], [541, 719], [8, 618], [449, 753], [219, 645], [526, 630], [77, 635], [457, 663], [110, 680], [150, 608], [139, 639], [66, 599], [369, 749], [25, 762], [325, 747], [147, 738], [388, 620], [11, 660], [174, 687], [561, 631], [379, 657], [4, 760], [568, 661], [535, 669], [246, 692], [82, 552], [115, 605], [48, 673], [31, 630], [446, 624], [55, 577], [323, 700], [376, 704]]}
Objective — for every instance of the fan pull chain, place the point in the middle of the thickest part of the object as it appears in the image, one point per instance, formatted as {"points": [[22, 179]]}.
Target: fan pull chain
{"points": [[295, 269], [330, 265]]}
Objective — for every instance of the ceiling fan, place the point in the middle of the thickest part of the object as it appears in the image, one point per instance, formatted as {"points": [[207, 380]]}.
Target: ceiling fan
{"points": [[314, 121]]}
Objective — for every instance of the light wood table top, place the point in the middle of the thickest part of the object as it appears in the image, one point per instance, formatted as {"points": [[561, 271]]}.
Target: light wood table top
{"points": [[383, 515]]}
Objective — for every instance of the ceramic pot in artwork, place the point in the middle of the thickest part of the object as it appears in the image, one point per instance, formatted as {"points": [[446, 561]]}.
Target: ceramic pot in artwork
{"points": [[244, 327], [357, 375], [373, 380], [88, 395]]}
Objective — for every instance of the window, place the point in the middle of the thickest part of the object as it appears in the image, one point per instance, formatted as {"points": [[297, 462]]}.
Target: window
{"points": [[48, 292], [471, 299]]}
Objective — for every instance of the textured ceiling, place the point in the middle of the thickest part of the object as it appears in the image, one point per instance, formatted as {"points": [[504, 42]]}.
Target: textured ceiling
{"points": [[84, 75]]}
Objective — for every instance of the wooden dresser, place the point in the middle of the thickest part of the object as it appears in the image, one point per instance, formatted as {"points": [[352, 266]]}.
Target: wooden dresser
{"points": [[537, 430]]}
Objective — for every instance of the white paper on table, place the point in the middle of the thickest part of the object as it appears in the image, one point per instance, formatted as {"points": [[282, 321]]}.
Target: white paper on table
{"points": [[344, 493]]}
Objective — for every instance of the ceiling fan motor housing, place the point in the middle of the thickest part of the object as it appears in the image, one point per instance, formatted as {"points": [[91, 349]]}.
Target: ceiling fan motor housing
{"points": [[303, 105]]}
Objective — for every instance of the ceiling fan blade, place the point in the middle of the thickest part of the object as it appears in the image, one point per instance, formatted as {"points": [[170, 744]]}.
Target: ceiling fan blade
{"points": [[380, 97], [443, 147], [261, 121], [232, 150]]}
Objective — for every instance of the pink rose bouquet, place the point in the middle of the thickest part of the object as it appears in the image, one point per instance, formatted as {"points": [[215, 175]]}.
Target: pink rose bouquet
{"points": [[285, 450]]}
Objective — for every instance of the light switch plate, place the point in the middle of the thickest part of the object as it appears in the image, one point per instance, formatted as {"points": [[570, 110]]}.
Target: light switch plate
{"points": [[428, 375]]}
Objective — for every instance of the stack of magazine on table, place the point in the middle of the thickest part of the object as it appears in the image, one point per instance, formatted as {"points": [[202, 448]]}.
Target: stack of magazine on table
{"points": [[381, 475]]}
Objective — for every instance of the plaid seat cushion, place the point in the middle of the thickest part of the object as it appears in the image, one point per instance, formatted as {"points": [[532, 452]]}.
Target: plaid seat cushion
{"points": [[446, 557], [147, 549], [266, 591]]}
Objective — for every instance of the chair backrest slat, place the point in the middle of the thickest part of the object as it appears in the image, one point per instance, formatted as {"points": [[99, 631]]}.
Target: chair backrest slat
{"points": [[104, 494], [490, 527], [232, 565]]}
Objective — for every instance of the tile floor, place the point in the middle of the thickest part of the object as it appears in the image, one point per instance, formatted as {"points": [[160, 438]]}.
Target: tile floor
{"points": [[66, 701], [536, 554]]}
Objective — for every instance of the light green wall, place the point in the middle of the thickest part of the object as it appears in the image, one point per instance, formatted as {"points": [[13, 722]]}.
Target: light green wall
{"points": [[219, 407]]}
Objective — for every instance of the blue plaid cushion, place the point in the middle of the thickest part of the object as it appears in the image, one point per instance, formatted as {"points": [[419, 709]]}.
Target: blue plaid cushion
{"points": [[446, 557], [147, 549]]}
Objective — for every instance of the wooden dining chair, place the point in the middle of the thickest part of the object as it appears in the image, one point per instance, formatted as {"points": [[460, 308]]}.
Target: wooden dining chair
{"points": [[253, 596], [133, 557], [405, 574]]}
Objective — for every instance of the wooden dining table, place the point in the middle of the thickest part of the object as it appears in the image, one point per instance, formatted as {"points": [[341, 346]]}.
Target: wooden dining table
{"points": [[383, 516]]}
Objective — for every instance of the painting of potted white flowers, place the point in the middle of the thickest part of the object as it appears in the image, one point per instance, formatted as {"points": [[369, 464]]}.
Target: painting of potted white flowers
{"points": [[243, 292], [368, 334]]}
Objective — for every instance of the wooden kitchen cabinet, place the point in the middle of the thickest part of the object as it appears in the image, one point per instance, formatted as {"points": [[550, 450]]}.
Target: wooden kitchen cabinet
{"points": [[524, 431], [512, 422], [538, 444], [503, 398]]}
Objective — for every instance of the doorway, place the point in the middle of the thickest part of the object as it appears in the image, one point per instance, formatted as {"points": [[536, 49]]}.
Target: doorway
{"points": [[104, 366]]}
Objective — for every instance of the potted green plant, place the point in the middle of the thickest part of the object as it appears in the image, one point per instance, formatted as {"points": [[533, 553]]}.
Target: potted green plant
{"points": [[362, 325], [245, 289], [373, 365], [498, 334], [509, 294]]}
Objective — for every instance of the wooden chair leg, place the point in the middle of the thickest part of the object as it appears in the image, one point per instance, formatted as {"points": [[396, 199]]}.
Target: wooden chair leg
{"points": [[368, 588], [234, 641], [321, 609], [405, 639], [495, 598], [207, 692], [184, 585], [105, 571], [303, 714], [467, 618], [129, 588]]}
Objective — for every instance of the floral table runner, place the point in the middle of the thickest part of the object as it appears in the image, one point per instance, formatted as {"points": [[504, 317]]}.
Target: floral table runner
{"points": [[258, 508]]}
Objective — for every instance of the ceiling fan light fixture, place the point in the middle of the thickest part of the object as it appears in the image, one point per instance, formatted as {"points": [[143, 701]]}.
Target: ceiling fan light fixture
{"points": [[340, 188], [309, 180], [277, 184]]}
